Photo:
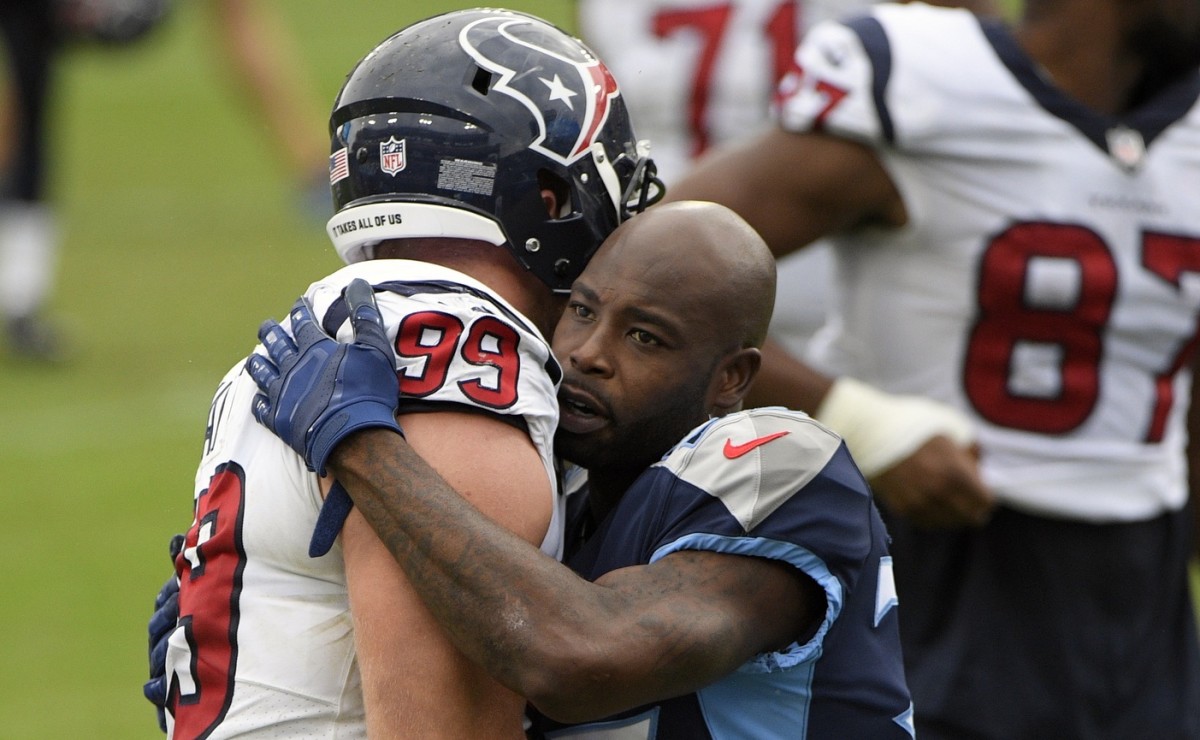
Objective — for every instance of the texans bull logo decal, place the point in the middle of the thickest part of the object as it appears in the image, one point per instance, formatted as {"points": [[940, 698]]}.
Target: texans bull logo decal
{"points": [[573, 89]]}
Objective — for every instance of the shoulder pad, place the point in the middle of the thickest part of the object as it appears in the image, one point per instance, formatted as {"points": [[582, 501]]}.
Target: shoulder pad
{"points": [[754, 460]]}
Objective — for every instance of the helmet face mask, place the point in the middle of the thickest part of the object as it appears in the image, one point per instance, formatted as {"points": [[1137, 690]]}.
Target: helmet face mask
{"points": [[455, 125]]}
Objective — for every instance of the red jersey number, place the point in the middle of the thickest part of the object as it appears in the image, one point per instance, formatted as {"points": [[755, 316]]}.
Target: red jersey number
{"points": [[711, 23], [1169, 257], [1009, 319], [210, 571], [438, 339]]}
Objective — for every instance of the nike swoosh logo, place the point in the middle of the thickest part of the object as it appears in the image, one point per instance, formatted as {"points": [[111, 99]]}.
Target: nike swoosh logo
{"points": [[733, 451]]}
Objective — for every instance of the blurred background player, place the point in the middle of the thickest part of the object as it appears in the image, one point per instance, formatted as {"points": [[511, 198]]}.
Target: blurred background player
{"points": [[28, 235], [262, 64], [469, 194], [258, 58], [33, 34], [1017, 239], [698, 73], [261, 61]]}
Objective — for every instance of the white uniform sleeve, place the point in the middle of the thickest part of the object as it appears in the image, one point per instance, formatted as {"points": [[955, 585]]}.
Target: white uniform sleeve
{"points": [[833, 86], [891, 77]]}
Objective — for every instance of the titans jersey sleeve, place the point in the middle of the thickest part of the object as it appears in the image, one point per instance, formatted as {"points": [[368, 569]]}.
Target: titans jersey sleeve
{"points": [[264, 642], [774, 484], [1048, 280]]}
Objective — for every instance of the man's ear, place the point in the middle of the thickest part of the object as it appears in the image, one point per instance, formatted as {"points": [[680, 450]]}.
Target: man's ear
{"points": [[732, 380], [550, 201]]}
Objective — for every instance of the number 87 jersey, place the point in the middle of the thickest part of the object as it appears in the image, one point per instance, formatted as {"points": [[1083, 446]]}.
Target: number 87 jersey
{"points": [[1048, 279], [264, 639]]}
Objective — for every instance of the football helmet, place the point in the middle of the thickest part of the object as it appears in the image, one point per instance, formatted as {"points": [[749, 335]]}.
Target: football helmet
{"points": [[453, 126], [113, 22]]}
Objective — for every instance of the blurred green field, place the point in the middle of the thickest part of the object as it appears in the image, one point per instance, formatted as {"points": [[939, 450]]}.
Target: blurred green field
{"points": [[181, 234]]}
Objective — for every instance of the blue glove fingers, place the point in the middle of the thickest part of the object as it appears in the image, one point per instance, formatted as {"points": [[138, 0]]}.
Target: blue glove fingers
{"points": [[365, 318], [278, 343], [156, 691], [329, 522], [261, 407], [305, 328], [169, 589], [266, 377], [162, 625], [284, 410], [176, 546], [264, 372]]}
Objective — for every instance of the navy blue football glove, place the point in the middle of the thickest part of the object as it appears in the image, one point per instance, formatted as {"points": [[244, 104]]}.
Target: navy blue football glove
{"points": [[317, 391], [162, 624]]}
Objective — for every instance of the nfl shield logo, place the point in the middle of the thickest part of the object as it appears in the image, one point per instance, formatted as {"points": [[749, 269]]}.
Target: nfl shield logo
{"points": [[391, 155], [1127, 147]]}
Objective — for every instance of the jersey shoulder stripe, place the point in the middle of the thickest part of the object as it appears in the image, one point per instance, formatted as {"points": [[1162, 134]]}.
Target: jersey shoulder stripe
{"points": [[753, 461], [875, 43]]}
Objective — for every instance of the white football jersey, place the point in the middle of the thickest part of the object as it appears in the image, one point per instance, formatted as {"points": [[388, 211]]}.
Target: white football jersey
{"points": [[695, 74], [264, 643], [1047, 282]]}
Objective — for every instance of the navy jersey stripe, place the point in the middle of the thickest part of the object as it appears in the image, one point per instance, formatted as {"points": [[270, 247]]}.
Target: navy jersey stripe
{"points": [[875, 42], [1149, 119]]}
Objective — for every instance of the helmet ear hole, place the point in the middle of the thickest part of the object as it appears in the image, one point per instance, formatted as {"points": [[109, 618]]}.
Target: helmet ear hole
{"points": [[482, 82], [556, 194]]}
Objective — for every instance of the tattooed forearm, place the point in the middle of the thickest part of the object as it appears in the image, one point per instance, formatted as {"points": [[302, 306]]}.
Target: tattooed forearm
{"points": [[475, 576], [578, 650]]}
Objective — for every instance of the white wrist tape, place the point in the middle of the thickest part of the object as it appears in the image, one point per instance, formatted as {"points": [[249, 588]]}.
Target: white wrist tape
{"points": [[882, 429]]}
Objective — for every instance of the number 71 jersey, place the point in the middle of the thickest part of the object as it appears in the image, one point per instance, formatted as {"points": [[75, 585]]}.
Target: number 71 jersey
{"points": [[699, 72], [1048, 279]]}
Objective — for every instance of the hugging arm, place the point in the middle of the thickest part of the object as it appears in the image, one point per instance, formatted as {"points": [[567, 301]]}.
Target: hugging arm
{"points": [[577, 650], [416, 683]]}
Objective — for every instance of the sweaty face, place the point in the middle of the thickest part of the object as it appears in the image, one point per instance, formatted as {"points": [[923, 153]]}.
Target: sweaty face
{"points": [[637, 358]]}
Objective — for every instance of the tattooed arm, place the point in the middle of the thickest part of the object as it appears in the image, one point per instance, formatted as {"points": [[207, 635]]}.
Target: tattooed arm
{"points": [[415, 682], [577, 650]]}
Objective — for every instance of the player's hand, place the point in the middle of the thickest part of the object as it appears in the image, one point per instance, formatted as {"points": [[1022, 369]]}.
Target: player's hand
{"points": [[162, 624], [919, 455], [315, 390], [937, 486]]}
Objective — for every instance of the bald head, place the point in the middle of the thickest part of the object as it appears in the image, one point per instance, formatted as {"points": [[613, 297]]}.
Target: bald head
{"points": [[660, 333], [706, 260]]}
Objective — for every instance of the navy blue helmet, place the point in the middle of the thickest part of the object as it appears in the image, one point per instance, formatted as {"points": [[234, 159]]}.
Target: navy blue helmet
{"points": [[454, 126]]}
